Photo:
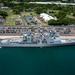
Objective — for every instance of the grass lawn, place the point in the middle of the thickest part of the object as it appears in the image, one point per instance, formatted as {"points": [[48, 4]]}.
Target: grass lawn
{"points": [[9, 12], [56, 11], [28, 13], [70, 16], [10, 20]]}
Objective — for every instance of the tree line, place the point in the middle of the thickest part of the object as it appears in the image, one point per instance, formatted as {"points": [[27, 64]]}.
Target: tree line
{"points": [[40, 8], [67, 1]]}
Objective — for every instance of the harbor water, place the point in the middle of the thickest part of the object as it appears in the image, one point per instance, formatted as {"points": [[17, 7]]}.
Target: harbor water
{"points": [[38, 61]]}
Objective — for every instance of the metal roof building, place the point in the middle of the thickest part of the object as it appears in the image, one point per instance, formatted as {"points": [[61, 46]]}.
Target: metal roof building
{"points": [[47, 17]]}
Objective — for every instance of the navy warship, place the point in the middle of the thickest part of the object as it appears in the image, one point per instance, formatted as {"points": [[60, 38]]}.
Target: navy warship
{"points": [[36, 38]]}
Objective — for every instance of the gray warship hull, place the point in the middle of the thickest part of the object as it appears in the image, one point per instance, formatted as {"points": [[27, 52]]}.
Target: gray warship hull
{"points": [[37, 45]]}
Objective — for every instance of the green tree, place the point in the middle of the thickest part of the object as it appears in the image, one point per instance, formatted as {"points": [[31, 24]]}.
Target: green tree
{"points": [[68, 9], [64, 21], [74, 14], [38, 10], [53, 22], [57, 7], [58, 22], [4, 14], [17, 9], [11, 5], [61, 15]]}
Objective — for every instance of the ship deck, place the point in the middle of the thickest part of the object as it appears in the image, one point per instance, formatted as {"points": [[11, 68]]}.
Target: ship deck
{"points": [[37, 45]]}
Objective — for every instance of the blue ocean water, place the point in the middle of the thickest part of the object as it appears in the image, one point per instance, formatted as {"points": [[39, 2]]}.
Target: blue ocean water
{"points": [[38, 61]]}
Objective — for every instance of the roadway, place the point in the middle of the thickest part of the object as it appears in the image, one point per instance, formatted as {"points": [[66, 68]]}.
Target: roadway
{"points": [[28, 26], [57, 3]]}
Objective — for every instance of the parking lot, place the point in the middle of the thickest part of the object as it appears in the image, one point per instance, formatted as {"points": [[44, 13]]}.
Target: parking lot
{"points": [[31, 20], [66, 31], [18, 30], [11, 30]]}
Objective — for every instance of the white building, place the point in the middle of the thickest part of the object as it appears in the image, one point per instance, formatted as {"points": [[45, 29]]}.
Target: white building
{"points": [[47, 17]]}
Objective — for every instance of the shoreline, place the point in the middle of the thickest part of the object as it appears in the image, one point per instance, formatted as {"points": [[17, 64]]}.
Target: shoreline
{"points": [[62, 37]]}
